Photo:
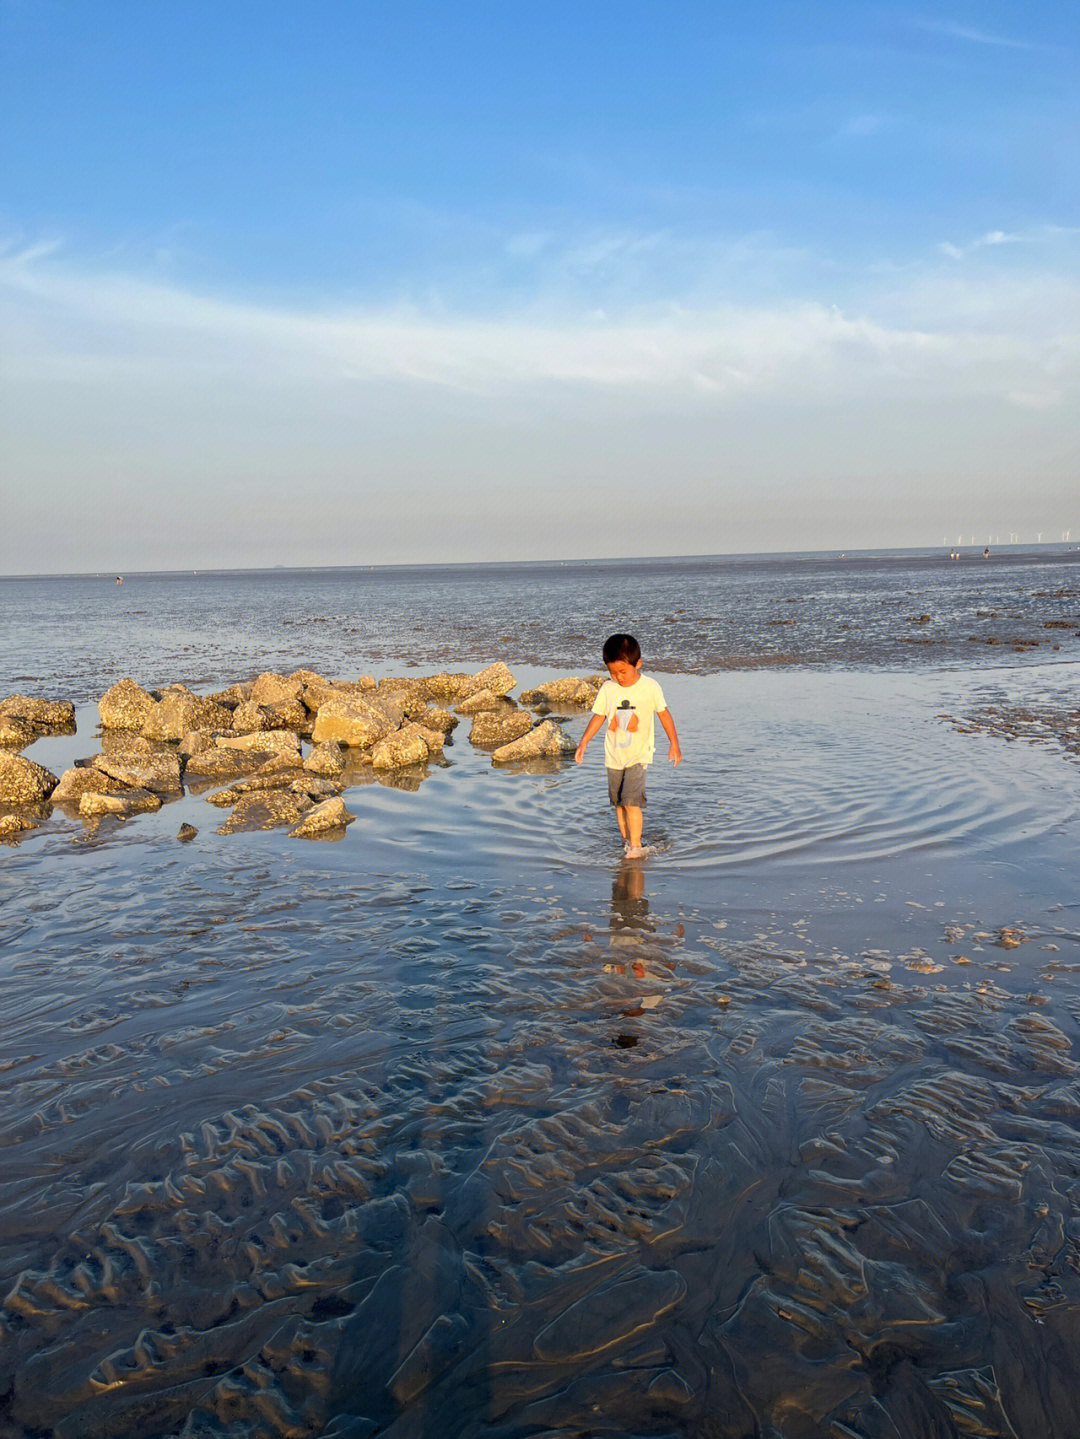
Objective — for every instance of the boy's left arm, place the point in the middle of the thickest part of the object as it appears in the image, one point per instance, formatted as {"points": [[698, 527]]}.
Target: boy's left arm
{"points": [[674, 751]]}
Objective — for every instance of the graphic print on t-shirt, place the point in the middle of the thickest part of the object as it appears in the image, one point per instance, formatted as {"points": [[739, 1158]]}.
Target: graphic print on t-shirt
{"points": [[624, 723], [628, 712]]}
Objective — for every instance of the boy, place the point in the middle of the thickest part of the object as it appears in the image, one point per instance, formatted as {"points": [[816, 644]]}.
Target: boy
{"points": [[626, 703]]}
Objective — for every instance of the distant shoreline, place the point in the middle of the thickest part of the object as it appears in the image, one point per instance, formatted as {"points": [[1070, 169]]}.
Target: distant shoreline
{"points": [[1056, 550]]}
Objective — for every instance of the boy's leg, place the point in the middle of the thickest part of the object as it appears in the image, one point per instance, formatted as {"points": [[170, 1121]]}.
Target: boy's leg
{"points": [[634, 818], [620, 815]]}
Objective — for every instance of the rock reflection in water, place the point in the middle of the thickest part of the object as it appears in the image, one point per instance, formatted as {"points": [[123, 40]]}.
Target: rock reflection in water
{"points": [[284, 1156]]}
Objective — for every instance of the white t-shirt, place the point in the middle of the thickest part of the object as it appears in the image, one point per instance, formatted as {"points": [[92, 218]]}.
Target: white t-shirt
{"points": [[629, 711]]}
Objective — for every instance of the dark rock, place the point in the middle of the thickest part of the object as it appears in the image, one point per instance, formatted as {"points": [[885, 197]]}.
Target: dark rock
{"points": [[266, 809], [16, 733]]}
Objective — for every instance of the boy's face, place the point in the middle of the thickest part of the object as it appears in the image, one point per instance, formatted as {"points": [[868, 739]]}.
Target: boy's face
{"points": [[624, 673]]}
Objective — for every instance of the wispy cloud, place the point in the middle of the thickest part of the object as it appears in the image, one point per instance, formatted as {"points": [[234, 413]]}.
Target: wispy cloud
{"points": [[994, 238], [110, 327], [861, 125], [954, 31]]}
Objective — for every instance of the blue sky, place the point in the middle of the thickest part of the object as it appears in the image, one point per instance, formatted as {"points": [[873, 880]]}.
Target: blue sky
{"points": [[358, 283]]}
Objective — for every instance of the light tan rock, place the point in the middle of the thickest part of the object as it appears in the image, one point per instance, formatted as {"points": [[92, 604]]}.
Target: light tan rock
{"points": [[450, 687], [261, 742], [432, 717], [266, 809], [317, 693], [312, 696], [325, 817], [496, 678], [326, 759], [74, 783], [220, 765], [231, 697], [285, 714], [194, 742], [268, 688], [351, 720], [493, 727], [249, 717], [179, 711], [406, 746], [478, 702], [125, 706], [316, 786], [396, 703], [122, 744], [47, 716], [125, 802], [286, 761], [433, 738], [16, 733], [308, 677], [571, 691], [24, 782], [547, 740], [158, 771]]}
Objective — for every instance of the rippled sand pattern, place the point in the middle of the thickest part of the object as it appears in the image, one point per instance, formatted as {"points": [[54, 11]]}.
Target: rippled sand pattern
{"points": [[497, 1172], [462, 1127]]}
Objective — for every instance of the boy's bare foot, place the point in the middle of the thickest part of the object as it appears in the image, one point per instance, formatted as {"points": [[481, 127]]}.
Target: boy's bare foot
{"points": [[635, 851]]}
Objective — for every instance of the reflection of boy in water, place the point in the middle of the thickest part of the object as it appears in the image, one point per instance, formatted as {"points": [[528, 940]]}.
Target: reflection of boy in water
{"points": [[626, 704], [629, 911], [629, 907]]}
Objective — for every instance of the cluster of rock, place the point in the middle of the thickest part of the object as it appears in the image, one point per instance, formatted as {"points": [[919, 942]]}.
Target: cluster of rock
{"points": [[1056, 725], [249, 738], [24, 720]]}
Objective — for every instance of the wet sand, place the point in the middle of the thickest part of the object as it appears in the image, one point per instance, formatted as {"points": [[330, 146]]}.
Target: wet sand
{"points": [[463, 1126]]}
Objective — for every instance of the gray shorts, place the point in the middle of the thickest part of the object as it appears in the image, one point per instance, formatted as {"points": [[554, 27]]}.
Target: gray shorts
{"points": [[627, 786]]}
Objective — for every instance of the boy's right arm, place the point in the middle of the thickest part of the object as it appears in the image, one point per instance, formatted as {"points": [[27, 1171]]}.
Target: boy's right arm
{"points": [[591, 728]]}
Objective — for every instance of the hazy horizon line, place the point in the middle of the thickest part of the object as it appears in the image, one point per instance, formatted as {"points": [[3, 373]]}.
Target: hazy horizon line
{"points": [[832, 551]]}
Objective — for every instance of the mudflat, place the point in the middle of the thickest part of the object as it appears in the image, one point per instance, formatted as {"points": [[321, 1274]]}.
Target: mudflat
{"points": [[464, 1125]]}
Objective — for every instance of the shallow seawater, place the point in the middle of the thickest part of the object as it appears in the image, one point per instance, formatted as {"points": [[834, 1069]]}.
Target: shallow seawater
{"points": [[77, 635], [462, 1125]]}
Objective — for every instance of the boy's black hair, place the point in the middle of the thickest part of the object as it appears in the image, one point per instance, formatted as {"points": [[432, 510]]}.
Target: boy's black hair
{"points": [[621, 647]]}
